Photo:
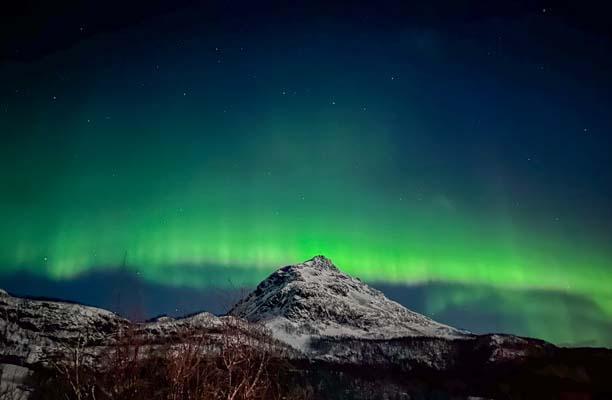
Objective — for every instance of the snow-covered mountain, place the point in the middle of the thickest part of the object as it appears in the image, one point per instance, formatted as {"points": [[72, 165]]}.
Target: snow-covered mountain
{"points": [[30, 328], [33, 330], [343, 337], [315, 299]]}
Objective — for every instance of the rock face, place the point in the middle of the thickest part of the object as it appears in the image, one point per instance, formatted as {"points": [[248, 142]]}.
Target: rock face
{"points": [[304, 302], [31, 328]]}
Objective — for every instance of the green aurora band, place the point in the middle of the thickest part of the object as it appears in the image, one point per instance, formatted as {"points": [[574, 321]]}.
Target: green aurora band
{"points": [[266, 221]]}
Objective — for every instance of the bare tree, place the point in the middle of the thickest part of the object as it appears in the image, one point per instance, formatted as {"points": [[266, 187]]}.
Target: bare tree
{"points": [[237, 361], [74, 366]]}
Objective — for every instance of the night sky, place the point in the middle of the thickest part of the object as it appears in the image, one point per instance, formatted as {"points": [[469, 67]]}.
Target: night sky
{"points": [[458, 158]]}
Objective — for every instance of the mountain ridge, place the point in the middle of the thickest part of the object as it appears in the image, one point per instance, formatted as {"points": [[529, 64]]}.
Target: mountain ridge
{"points": [[323, 321], [314, 298]]}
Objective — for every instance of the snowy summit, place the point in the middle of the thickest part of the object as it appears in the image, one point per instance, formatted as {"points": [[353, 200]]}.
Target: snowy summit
{"points": [[315, 299]]}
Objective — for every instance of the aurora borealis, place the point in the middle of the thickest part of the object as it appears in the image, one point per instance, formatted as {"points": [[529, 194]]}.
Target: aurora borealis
{"points": [[466, 156]]}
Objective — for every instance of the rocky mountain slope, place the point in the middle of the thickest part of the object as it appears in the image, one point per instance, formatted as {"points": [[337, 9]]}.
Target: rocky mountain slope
{"points": [[314, 299], [32, 327], [34, 332]]}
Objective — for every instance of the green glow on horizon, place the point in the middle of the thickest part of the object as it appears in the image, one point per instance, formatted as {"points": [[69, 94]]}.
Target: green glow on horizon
{"points": [[405, 244]]}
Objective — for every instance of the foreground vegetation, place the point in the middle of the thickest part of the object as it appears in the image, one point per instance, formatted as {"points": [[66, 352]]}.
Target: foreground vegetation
{"points": [[237, 362]]}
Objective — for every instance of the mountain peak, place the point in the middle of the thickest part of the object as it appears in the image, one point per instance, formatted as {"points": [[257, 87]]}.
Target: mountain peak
{"points": [[319, 261], [316, 299]]}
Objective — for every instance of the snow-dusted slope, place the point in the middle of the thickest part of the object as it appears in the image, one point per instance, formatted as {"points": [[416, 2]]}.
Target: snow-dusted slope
{"points": [[32, 331], [315, 299], [31, 328]]}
